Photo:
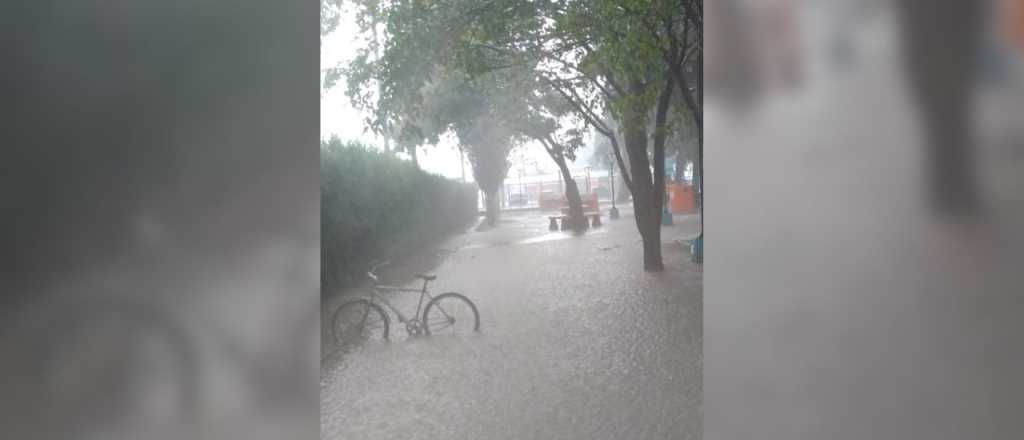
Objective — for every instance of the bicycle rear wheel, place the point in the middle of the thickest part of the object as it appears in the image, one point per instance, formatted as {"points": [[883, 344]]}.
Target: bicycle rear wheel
{"points": [[358, 321], [450, 313]]}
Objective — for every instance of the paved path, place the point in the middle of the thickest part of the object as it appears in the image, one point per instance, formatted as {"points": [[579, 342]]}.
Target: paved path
{"points": [[577, 342]]}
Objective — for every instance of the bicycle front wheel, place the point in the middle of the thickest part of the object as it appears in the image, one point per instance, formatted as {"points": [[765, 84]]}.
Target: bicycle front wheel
{"points": [[450, 313], [359, 320]]}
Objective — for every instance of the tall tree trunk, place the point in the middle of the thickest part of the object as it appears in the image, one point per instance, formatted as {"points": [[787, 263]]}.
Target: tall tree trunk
{"points": [[646, 206], [492, 201]]}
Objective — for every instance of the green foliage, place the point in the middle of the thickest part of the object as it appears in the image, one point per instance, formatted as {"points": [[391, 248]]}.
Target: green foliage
{"points": [[330, 12], [414, 89], [376, 206]]}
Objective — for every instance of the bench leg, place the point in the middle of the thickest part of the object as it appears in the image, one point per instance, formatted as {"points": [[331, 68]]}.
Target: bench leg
{"points": [[554, 225], [595, 221], [565, 223]]}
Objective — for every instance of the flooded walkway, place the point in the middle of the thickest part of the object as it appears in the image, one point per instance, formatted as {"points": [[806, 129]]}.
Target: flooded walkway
{"points": [[576, 341]]}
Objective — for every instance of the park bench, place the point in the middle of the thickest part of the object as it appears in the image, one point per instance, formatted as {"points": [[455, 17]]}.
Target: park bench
{"points": [[591, 210], [594, 216]]}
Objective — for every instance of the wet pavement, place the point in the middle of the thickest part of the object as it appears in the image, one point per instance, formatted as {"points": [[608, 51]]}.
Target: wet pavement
{"points": [[576, 342]]}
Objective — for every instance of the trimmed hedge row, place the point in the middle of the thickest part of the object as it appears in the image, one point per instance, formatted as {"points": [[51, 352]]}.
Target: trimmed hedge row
{"points": [[375, 206]]}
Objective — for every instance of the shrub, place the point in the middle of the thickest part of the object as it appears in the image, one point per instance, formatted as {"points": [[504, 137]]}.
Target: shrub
{"points": [[375, 206]]}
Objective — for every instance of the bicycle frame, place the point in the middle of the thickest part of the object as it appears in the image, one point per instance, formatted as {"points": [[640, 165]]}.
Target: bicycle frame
{"points": [[375, 294]]}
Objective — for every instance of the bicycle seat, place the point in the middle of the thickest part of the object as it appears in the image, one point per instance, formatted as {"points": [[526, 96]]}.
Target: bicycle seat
{"points": [[426, 277]]}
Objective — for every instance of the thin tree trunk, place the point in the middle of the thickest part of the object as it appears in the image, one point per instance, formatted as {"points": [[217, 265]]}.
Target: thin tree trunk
{"points": [[698, 177], [572, 193], [660, 136], [699, 168]]}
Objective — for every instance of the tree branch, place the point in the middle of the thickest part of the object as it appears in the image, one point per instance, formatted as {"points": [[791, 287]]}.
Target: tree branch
{"points": [[595, 121]]}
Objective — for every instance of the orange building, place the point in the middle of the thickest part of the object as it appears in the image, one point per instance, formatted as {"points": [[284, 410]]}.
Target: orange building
{"points": [[681, 198]]}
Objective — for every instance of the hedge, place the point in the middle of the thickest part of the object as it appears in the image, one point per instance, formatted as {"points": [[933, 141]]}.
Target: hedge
{"points": [[375, 206]]}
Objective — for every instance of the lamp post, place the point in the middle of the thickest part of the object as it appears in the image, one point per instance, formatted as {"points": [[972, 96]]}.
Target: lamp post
{"points": [[522, 189], [614, 212], [523, 163]]}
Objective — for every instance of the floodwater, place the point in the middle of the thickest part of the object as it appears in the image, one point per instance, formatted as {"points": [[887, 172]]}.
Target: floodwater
{"points": [[576, 341]]}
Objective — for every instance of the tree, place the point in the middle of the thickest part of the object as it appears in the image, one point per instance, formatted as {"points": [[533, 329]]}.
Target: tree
{"points": [[477, 115], [536, 112], [683, 141], [399, 76], [509, 99], [330, 14], [485, 137], [511, 106], [624, 55], [605, 59], [527, 106], [561, 145], [369, 21]]}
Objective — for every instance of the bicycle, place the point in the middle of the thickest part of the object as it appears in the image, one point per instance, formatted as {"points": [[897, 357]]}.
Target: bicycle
{"points": [[364, 317]]}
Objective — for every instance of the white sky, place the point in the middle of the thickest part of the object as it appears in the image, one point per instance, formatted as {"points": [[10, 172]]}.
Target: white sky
{"points": [[338, 117]]}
